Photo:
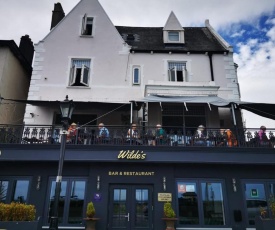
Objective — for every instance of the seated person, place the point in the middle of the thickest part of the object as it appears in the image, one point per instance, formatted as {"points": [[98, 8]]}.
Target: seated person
{"points": [[72, 133], [103, 133], [133, 135], [230, 138], [200, 136], [221, 138], [263, 139], [160, 135]]}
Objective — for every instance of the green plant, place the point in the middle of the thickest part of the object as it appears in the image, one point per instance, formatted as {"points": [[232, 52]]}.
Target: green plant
{"points": [[17, 212], [271, 205], [168, 210], [90, 212]]}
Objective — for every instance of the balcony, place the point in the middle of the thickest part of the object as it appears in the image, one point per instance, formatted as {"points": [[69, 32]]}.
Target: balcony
{"points": [[147, 136]]}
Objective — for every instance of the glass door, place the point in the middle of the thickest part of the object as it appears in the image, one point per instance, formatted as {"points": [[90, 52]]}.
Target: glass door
{"points": [[130, 207]]}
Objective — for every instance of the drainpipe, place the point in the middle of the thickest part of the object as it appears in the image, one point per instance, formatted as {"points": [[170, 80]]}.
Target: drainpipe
{"points": [[235, 123], [131, 116], [211, 66]]}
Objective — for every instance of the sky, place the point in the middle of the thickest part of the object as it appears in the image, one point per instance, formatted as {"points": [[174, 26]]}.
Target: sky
{"points": [[247, 25]]}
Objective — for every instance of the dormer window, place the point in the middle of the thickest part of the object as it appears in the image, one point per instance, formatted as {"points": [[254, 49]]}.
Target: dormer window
{"points": [[173, 33], [173, 36], [87, 25]]}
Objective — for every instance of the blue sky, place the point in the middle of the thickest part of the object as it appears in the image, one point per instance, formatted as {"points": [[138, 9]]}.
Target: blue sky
{"points": [[248, 25]]}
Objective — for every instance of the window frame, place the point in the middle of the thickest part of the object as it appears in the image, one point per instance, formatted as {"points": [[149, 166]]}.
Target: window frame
{"points": [[85, 73], [172, 72], [266, 185], [66, 210], [84, 24], [136, 67], [169, 35], [198, 183], [12, 188]]}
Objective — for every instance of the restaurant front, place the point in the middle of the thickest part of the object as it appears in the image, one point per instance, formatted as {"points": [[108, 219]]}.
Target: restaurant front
{"points": [[210, 188]]}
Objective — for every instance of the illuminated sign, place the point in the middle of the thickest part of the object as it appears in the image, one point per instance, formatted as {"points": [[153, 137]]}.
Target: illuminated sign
{"points": [[131, 155]]}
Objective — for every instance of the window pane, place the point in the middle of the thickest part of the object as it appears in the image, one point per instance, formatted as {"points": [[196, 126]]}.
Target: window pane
{"points": [[61, 203], [119, 208], [76, 202], [213, 204], [89, 26], [136, 76], [20, 191], [255, 198], [3, 190], [188, 203], [85, 75], [173, 36], [141, 207]]}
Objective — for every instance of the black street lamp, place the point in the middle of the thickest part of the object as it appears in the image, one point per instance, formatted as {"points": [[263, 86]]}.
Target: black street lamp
{"points": [[66, 109]]}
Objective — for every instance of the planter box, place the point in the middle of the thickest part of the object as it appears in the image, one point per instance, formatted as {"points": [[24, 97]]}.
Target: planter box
{"points": [[170, 223], [19, 225], [264, 224], [91, 223]]}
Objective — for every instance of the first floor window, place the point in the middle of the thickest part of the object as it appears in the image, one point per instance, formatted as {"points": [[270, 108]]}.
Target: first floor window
{"points": [[80, 71], [174, 116], [87, 25], [136, 75], [177, 71], [200, 202]]}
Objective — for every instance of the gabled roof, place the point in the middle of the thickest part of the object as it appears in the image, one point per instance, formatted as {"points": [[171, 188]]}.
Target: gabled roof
{"points": [[147, 39], [172, 23]]}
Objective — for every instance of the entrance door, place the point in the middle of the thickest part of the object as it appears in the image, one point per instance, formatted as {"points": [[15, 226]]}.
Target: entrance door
{"points": [[130, 207]]}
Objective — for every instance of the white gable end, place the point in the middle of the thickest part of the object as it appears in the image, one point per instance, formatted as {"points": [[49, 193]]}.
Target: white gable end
{"points": [[71, 61]]}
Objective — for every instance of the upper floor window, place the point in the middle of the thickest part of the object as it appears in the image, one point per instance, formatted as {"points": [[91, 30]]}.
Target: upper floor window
{"points": [[173, 36], [79, 74], [87, 25], [177, 71], [136, 75]]}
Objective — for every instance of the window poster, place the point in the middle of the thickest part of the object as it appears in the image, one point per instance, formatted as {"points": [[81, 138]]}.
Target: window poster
{"points": [[183, 188]]}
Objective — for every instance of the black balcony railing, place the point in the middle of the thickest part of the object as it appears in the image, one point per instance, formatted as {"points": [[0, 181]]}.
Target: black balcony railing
{"points": [[148, 136]]}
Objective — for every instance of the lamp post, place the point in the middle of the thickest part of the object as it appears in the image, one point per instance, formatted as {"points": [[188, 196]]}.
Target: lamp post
{"points": [[66, 109]]}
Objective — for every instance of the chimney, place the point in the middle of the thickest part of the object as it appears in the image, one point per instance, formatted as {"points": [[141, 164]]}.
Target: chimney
{"points": [[58, 14], [26, 48]]}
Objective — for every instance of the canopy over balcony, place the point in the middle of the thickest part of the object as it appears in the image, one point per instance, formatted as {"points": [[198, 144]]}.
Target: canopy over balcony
{"points": [[262, 109]]}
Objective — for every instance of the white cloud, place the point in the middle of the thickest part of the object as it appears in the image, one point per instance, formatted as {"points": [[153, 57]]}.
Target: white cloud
{"points": [[256, 76], [238, 34]]}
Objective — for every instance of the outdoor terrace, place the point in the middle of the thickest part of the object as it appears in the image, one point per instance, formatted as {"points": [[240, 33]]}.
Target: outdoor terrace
{"points": [[147, 136]]}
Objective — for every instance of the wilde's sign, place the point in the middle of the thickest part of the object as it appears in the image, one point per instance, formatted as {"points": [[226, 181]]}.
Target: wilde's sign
{"points": [[131, 155]]}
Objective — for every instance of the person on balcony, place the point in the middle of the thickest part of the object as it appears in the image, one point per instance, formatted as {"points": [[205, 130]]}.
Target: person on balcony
{"points": [[72, 133], [160, 135], [133, 135], [263, 139], [103, 133], [200, 138], [230, 138]]}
